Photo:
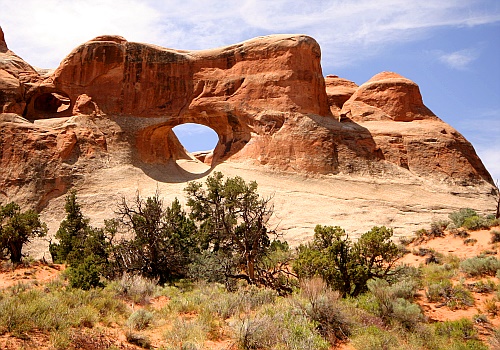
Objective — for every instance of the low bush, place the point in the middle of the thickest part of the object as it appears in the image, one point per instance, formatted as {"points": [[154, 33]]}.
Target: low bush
{"points": [[186, 334], [482, 286], [470, 241], [495, 236], [475, 223], [140, 319], [392, 302], [56, 311], [462, 329], [480, 266], [323, 306], [491, 307], [455, 297], [458, 218], [460, 233], [138, 339], [134, 287], [434, 273], [375, 338]]}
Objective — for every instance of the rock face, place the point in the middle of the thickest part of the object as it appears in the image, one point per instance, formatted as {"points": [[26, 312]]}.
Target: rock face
{"points": [[114, 102]]}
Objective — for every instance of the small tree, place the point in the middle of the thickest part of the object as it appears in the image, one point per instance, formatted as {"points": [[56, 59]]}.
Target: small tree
{"points": [[233, 223], [71, 234], [347, 266], [18, 228], [84, 248], [163, 239]]}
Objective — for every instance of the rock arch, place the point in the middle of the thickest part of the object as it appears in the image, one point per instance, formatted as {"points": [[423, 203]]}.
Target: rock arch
{"points": [[158, 143]]}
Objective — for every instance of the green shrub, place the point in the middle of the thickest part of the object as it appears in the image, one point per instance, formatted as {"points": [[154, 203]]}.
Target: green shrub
{"points": [[140, 319], [480, 266], [85, 275], [57, 310], [322, 305], [138, 339], [278, 326], [462, 329], [455, 297], [374, 338], [475, 223], [460, 216], [134, 287], [481, 286], [346, 266], [392, 303], [495, 236], [434, 273]]}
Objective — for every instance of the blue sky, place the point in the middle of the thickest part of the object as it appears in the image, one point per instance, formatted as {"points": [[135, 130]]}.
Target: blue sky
{"points": [[451, 48]]}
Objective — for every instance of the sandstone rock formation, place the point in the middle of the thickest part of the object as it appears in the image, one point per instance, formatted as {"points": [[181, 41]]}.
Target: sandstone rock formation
{"points": [[114, 102]]}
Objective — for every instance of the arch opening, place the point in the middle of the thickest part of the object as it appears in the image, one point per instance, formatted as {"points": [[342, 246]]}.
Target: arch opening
{"points": [[51, 102], [199, 140]]}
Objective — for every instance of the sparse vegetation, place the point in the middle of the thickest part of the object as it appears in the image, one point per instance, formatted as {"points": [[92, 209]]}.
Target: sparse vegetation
{"points": [[217, 276], [480, 266]]}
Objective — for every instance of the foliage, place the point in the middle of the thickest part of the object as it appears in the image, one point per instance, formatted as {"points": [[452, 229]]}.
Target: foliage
{"points": [[18, 228], [59, 310], [470, 220], [393, 302], [455, 297], [140, 319], [475, 223], [480, 266], [84, 248], [322, 305], [462, 329], [347, 266], [459, 217], [495, 236], [163, 239], [375, 338], [233, 233], [278, 327], [134, 287], [85, 275]]}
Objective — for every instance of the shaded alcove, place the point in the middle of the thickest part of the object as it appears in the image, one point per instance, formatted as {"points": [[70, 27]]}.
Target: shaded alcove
{"points": [[49, 104]]}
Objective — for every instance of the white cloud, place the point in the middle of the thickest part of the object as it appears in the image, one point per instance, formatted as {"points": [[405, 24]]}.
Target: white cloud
{"points": [[459, 59], [43, 32]]}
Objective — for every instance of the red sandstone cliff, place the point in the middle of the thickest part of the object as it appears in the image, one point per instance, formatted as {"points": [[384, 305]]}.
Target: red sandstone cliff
{"points": [[112, 101]]}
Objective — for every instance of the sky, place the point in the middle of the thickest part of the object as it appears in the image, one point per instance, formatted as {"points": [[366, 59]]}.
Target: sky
{"points": [[450, 48]]}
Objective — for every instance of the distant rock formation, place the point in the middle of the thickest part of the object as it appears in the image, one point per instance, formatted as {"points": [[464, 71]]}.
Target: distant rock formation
{"points": [[112, 102]]}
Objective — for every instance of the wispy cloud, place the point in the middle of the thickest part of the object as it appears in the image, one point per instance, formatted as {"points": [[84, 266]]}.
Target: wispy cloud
{"points": [[45, 31], [459, 59]]}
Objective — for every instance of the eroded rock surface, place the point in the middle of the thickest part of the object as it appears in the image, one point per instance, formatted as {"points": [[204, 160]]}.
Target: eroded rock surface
{"points": [[112, 103]]}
